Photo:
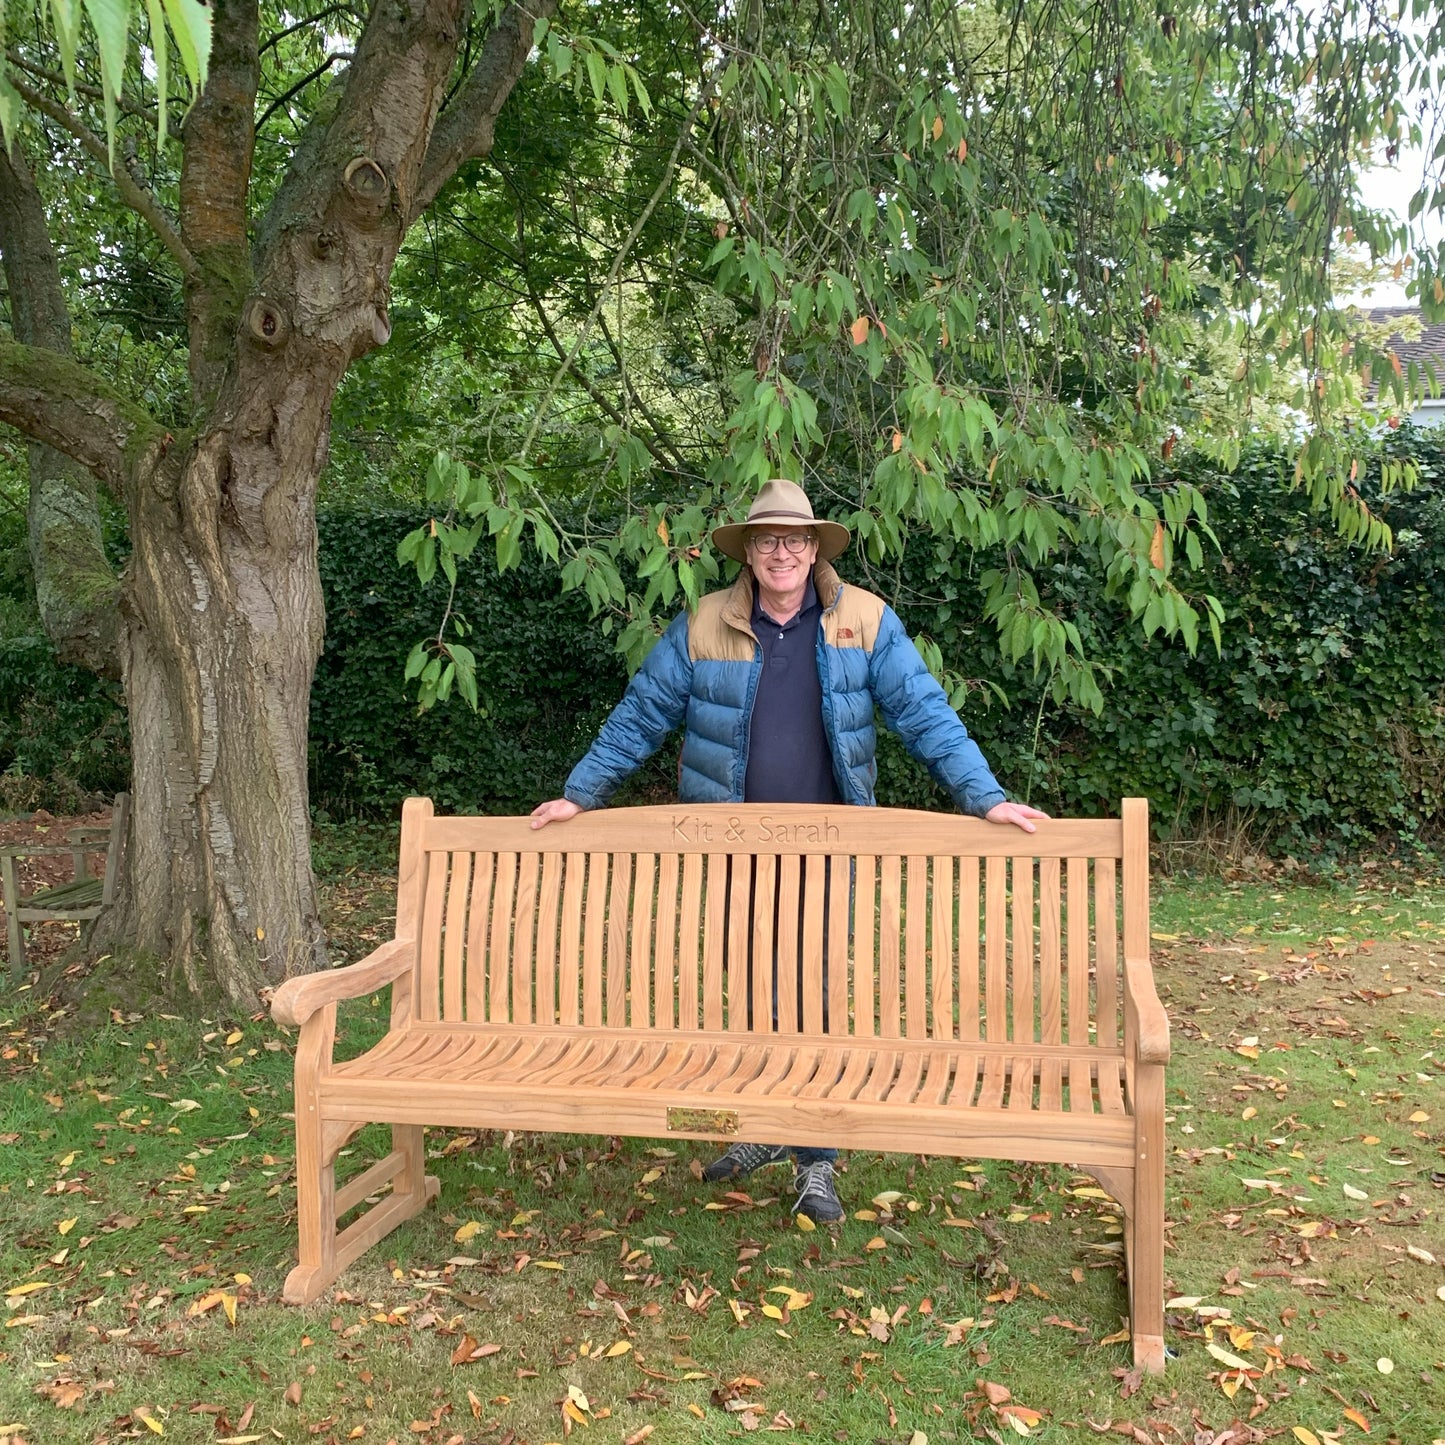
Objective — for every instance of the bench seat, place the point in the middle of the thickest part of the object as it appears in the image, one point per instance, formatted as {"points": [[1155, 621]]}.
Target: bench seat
{"points": [[821, 1090]]}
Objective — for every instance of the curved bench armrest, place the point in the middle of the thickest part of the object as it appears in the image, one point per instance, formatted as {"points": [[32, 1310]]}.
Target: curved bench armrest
{"points": [[298, 998], [1151, 1022]]}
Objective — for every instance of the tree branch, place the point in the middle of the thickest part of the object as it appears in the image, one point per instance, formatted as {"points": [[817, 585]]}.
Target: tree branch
{"points": [[467, 127], [94, 92], [314, 74], [131, 191], [220, 138], [57, 400]]}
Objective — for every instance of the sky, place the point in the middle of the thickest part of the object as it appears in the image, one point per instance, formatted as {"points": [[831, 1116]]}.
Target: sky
{"points": [[1389, 188]]}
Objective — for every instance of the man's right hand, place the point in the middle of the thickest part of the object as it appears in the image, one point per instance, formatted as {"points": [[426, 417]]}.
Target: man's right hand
{"points": [[557, 811]]}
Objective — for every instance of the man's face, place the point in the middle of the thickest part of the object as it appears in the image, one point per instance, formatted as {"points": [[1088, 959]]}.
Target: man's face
{"points": [[774, 562]]}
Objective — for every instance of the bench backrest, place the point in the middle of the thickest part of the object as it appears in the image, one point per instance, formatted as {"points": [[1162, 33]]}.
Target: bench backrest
{"points": [[883, 922]]}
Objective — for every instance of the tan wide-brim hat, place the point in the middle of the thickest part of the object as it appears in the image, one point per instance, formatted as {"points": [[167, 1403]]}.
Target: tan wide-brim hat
{"points": [[781, 503]]}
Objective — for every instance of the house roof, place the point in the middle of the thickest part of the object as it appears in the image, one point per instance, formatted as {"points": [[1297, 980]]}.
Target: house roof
{"points": [[1428, 347]]}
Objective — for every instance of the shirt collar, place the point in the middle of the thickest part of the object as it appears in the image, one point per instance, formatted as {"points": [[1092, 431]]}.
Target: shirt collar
{"points": [[810, 601]]}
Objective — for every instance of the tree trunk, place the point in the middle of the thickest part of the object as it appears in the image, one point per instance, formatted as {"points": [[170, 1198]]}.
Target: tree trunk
{"points": [[222, 628]]}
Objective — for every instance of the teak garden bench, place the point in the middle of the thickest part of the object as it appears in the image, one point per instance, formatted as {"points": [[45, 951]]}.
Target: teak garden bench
{"points": [[942, 985], [82, 899]]}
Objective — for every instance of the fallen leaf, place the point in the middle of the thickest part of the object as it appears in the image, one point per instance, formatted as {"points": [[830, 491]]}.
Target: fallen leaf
{"points": [[1385, 1365], [293, 1393], [469, 1230], [1306, 1437], [1356, 1194], [620, 1348], [1423, 1255], [1356, 1418], [470, 1350], [1225, 1358]]}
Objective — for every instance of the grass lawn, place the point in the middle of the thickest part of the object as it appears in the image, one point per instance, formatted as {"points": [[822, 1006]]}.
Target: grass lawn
{"points": [[578, 1286]]}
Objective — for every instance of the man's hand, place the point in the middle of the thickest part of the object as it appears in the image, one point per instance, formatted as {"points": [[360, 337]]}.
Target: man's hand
{"points": [[557, 811], [1019, 814]]}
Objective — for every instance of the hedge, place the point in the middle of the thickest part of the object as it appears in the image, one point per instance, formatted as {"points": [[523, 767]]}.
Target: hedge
{"points": [[1321, 723]]}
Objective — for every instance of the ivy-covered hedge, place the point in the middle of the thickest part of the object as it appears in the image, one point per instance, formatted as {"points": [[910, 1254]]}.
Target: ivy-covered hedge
{"points": [[546, 678], [1322, 719], [1321, 723]]}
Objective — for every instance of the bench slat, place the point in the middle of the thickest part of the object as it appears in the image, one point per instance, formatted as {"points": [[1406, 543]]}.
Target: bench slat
{"points": [[715, 941], [1021, 871], [915, 949], [454, 949], [941, 951], [865, 993], [835, 1017], [479, 919], [995, 950], [1078, 943], [569, 948], [1106, 955], [968, 936], [689, 939], [1050, 953], [890, 947], [549, 919], [499, 946], [594, 939], [523, 953], [664, 962]]}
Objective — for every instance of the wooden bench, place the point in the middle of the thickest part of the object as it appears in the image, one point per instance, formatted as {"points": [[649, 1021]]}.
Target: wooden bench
{"points": [[957, 988], [82, 899]]}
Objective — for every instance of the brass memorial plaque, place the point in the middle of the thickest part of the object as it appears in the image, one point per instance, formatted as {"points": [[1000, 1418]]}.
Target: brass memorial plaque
{"points": [[703, 1121]]}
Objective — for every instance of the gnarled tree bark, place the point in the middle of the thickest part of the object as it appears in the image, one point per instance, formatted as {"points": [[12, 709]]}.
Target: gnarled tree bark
{"points": [[222, 614]]}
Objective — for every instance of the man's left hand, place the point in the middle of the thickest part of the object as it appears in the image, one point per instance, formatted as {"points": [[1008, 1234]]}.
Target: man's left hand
{"points": [[1019, 814]]}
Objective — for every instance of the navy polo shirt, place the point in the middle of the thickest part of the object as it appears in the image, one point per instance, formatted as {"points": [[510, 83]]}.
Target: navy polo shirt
{"points": [[788, 756]]}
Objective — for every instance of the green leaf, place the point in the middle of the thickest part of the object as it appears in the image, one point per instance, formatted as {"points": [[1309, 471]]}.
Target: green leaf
{"points": [[65, 15], [191, 27], [597, 74], [160, 54], [111, 19]]}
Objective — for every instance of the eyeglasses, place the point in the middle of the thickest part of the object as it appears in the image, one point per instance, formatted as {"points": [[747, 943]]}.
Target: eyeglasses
{"points": [[766, 543]]}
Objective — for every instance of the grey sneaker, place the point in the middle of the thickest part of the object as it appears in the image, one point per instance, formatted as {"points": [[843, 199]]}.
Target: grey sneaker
{"points": [[743, 1159], [817, 1198]]}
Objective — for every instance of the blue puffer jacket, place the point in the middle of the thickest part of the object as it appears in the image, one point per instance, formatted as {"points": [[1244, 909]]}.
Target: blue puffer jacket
{"points": [[704, 672]]}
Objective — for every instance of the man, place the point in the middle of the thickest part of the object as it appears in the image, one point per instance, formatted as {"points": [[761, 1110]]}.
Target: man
{"points": [[776, 681]]}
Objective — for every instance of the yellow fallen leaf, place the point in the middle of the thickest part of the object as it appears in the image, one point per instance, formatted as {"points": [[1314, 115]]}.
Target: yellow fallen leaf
{"points": [[1089, 1192], [694, 1409], [469, 1230], [1249, 1113], [620, 1348], [1356, 1418], [573, 1413], [184, 1106], [1423, 1255], [235, 1036], [66, 1225], [548, 1264], [151, 1423], [803, 1223], [1352, 1193], [228, 1303], [737, 1310], [1370, 1139], [1225, 1358], [1419, 1117], [1230, 1385], [1306, 1437], [1184, 1302], [16, 1291], [68, 1160], [1385, 1366], [772, 1312]]}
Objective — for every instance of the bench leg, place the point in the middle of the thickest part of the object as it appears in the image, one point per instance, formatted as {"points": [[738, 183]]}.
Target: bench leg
{"points": [[325, 1252], [1145, 1225], [14, 934], [315, 1210]]}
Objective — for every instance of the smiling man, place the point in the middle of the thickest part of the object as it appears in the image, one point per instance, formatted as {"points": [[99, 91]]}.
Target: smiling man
{"points": [[777, 681]]}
